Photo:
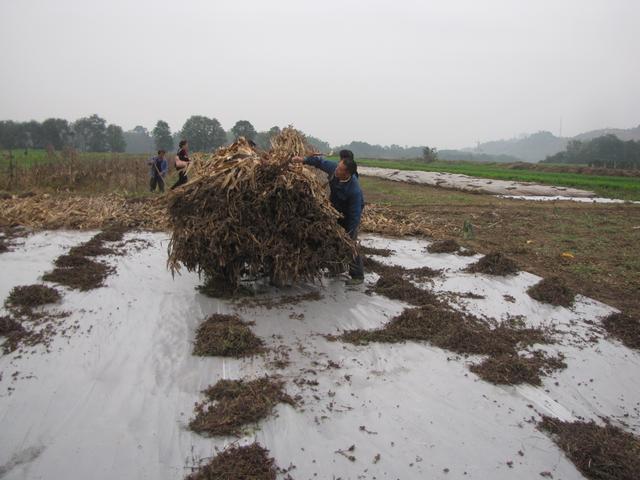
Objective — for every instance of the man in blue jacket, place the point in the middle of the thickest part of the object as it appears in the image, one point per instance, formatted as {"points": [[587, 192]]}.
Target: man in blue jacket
{"points": [[346, 197], [159, 168]]}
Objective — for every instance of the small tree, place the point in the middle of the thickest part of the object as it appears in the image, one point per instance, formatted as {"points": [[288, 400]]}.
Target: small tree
{"points": [[274, 131], [243, 128], [115, 139], [139, 140], [162, 136], [35, 138], [262, 140], [429, 155], [12, 134], [56, 132], [203, 134], [91, 133]]}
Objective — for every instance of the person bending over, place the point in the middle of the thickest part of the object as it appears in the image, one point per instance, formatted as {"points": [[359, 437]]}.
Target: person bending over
{"points": [[346, 197]]}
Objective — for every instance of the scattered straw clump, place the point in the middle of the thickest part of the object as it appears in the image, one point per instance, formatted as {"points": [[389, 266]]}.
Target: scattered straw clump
{"points": [[428, 323], [9, 325], [380, 268], [421, 273], [78, 269], [513, 369], [32, 296], [73, 261], [417, 273], [14, 333], [250, 462], [248, 213], [86, 275], [219, 287], [381, 252], [599, 453], [9, 233], [444, 246], [112, 234], [225, 336], [26, 326], [270, 302], [494, 263], [450, 329], [231, 405], [396, 287], [623, 327], [552, 290], [92, 248]]}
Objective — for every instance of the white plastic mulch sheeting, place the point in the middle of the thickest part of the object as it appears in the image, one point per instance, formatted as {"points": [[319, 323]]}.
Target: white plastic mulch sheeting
{"points": [[113, 400], [467, 183], [554, 198]]}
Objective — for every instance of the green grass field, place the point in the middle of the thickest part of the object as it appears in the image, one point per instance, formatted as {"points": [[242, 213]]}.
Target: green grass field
{"points": [[35, 157], [626, 188], [19, 158]]}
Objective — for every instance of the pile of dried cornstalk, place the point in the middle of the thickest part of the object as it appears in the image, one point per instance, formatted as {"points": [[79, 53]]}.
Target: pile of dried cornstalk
{"points": [[256, 213], [83, 212], [95, 212]]}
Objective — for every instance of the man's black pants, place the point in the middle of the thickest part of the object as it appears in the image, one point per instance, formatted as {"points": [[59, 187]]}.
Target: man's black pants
{"points": [[182, 179], [157, 181]]}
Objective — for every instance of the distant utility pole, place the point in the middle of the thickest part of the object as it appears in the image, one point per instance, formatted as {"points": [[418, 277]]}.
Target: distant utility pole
{"points": [[560, 131]]}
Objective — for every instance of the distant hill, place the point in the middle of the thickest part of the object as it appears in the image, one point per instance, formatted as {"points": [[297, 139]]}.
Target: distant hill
{"points": [[390, 152], [624, 134], [466, 156], [531, 148], [536, 147]]}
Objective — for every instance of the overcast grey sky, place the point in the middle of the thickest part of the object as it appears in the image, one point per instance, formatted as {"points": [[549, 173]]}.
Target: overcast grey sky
{"points": [[444, 73]]}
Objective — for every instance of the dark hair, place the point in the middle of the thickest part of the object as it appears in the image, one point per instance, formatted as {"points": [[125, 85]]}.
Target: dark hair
{"points": [[346, 157], [346, 154], [160, 152], [182, 143]]}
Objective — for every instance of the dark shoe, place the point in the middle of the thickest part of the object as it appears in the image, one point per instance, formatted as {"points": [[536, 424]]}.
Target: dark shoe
{"points": [[354, 281]]}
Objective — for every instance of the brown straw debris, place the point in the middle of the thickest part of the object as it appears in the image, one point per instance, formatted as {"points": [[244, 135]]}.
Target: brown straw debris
{"points": [[552, 290], [247, 214], [598, 452], [250, 462], [494, 263], [226, 336], [231, 405]]}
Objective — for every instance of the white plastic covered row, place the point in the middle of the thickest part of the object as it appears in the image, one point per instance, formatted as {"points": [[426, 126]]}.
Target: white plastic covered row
{"points": [[114, 399]]}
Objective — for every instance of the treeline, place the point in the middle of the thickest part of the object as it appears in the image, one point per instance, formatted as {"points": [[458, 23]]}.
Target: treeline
{"points": [[87, 133], [95, 135], [390, 152], [607, 151], [396, 152]]}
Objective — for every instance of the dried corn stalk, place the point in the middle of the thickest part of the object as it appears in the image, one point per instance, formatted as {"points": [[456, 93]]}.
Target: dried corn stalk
{"points": [[250, 213]]}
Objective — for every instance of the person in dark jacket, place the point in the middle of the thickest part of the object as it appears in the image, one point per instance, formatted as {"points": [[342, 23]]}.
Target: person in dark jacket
{"points": [[346, 197], [159, 168], [182, 160]]}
